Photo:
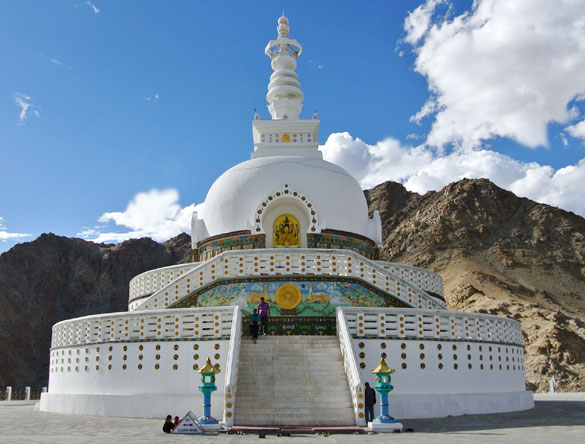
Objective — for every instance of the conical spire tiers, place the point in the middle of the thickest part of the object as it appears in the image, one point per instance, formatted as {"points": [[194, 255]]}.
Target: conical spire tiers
{"points": [[285, 134], [284, 90]]}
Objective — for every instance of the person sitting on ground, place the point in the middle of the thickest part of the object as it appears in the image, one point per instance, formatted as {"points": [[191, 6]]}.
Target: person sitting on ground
{"points": [[176, 422], [254, 324], [168, 425]]}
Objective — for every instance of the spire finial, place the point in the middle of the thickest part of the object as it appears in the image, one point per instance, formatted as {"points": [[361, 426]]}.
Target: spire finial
{"points": [[283, 27], [284, 90]]}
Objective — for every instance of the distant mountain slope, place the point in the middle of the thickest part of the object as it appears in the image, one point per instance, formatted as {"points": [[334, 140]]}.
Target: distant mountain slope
{"points": [[55, 278], [499, 254]]}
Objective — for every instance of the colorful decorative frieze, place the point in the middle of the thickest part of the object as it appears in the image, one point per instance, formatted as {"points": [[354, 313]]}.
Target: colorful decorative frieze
{"points": [[237, 240], [300, 296], [341, 239]]}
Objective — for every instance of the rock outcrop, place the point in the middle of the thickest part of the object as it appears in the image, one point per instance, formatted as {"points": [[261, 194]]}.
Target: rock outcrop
{"points": [[55, 278], [499, 254]]}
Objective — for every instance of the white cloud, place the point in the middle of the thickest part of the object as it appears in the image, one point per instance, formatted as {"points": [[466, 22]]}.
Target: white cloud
{"points": [[6, 235], [93, 7], [577, 130], [58, 62], [421, 169], [314, 64], [156, 214], [505, 68], [417, 23], [373, 164], [27, 108], [153, 98]]}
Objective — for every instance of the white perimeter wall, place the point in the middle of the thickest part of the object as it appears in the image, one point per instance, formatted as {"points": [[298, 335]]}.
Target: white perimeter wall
{"points": [[125, 368], [446, 366]]}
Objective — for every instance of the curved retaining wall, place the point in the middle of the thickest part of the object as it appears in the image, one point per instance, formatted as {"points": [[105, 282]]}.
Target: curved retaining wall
{"points": [[419, 277], [275, 262], [447, 363], [149, 282], [141, 364]]}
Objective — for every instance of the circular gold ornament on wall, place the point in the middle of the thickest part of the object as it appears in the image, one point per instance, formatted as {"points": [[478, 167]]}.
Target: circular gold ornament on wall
{"points": [[288, 296], [285, 138]]}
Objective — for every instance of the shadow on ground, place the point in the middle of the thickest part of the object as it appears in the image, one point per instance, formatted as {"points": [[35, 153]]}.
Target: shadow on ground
{"points": [[544, 413]]}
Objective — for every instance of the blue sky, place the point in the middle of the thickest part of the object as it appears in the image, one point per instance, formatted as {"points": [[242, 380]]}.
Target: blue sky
{"points": [[117, 116]]}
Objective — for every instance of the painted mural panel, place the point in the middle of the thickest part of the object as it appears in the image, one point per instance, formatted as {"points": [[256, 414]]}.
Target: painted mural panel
{"points": [[290, 298]]}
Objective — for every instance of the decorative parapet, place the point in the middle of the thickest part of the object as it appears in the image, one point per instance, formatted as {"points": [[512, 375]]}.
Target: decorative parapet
{"points": [[151, 281], [431, 282], [152, 325], [284, 261], [401, 323]]}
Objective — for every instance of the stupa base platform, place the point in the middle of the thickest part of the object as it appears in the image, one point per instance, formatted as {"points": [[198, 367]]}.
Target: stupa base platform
{"points": [[385, 427], [292, 430], [126, 406]]}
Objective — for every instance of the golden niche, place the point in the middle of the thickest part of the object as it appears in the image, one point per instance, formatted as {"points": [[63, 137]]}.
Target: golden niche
{"points": [[288, 296], [286, 232]]}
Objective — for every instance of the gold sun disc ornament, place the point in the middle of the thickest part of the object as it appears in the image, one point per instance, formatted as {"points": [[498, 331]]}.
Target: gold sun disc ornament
{"points": [[288, 296], [285, 138]]}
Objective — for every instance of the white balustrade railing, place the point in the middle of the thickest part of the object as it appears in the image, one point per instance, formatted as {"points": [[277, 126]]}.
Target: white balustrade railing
{"points": [[150, 281], [177, 324], [424, 279], [435, 324], [284, 261], [231, 375], [356, 384]]}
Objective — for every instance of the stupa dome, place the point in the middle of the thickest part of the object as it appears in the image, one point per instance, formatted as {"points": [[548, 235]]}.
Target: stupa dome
{"points": [[328, 190], [286, 195]]}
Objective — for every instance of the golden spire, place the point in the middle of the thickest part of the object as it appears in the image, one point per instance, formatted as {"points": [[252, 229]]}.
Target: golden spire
{"points": [[209, 368], [382, 368]]}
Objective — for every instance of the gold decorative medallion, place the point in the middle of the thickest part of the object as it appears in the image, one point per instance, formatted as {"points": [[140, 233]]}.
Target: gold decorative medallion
{"points": [[288, 296], [285, 138]]}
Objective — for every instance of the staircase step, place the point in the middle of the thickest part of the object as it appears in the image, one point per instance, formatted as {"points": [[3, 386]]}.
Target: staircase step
{"points": [[292, 380]]}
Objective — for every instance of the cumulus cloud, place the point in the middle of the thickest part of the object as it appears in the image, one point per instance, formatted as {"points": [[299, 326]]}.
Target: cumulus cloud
{"points": [[504, 68], [27, 108], [155, 214], [417, 23], [577, 130], [423, 168], [373, 164], [93, 7], [6, 235]]}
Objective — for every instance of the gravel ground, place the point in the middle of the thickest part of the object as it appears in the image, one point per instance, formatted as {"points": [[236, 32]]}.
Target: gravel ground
{"points": [[555, 419]]}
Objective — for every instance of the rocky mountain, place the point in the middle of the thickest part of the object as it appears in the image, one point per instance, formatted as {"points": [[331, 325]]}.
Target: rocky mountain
{"points": [[497, 253], [55, 278]]}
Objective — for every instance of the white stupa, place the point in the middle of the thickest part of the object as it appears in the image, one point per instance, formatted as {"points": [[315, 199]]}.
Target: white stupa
{"points": [[292, 228]]}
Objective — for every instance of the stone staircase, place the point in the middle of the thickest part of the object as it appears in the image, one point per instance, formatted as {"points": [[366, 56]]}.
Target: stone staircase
{"points": [[292, 380]]}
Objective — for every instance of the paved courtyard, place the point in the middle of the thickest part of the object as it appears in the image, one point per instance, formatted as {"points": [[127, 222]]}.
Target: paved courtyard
{"points": [[555, 419]]}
